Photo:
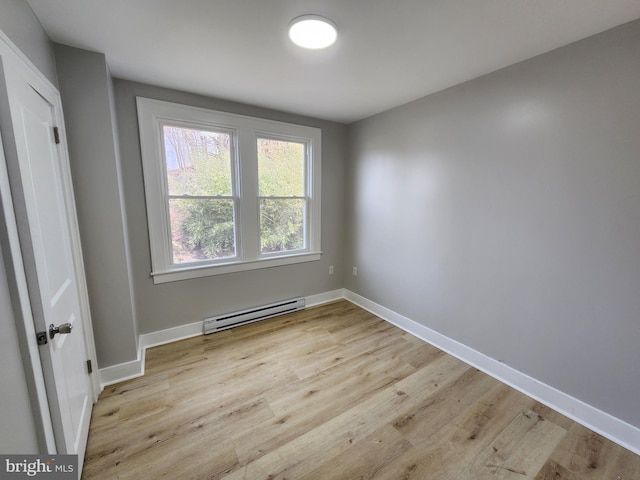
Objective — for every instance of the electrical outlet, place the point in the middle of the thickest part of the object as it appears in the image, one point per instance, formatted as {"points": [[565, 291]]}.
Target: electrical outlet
{"points": [[355, 271], [331, 270]]}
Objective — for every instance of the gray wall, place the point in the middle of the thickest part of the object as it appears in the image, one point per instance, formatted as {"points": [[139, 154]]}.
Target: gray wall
{"points": [[505, 214], [177, 303], [18, 432], [85, 87], [20, 24]]}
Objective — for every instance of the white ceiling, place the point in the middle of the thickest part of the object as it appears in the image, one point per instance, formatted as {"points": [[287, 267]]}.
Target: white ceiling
{"points": [[389, 52]]}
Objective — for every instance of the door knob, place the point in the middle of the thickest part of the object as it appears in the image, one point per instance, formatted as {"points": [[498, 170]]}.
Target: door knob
{"points": [[63, 329]]}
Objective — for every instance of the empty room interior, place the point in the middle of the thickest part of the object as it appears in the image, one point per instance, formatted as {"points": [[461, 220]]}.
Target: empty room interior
{"points": [[411, 252]]}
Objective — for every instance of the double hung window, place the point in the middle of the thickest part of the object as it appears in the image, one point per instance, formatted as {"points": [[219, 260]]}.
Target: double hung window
{"points": [[227, 192]]}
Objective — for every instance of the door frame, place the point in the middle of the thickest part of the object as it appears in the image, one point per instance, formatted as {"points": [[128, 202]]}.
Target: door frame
{"points": [[15, 64]]}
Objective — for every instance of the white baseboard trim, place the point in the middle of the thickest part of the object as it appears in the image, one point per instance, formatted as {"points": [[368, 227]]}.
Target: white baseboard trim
{"points": [[121, 372], [601, 422], [174, 334], [135, 368], [319, 299]]}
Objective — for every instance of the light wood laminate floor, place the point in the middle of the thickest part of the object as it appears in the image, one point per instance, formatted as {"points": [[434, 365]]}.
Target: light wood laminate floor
{"points": [[332, 392]]}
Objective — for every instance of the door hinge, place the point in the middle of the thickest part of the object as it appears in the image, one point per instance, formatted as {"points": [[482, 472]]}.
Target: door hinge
{"points": [[41, 337], [89, 367], [56, 135]]}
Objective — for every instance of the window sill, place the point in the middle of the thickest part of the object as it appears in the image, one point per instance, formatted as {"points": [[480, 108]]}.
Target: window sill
{"points": [[185, 273]]}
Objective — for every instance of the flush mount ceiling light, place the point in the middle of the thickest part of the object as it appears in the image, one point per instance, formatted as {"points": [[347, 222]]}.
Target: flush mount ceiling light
{"points": [[313, 32]]}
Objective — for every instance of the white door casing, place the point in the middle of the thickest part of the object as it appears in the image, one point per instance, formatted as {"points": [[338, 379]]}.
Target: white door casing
{"points": [[49, 246]]}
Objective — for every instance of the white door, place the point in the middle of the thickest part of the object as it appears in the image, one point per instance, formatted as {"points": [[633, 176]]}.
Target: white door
{"points": [[46, 237]]}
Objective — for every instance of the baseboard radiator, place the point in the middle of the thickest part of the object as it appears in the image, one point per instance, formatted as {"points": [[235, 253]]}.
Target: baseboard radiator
{"points": [[235, 319]]}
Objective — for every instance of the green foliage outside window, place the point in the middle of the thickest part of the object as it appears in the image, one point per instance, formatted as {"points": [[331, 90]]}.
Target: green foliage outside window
{"points": [[281, 174], [199, 166]]}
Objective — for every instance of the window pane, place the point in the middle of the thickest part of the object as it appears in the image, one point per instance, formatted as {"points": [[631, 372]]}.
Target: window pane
{"points": [[280, 168], [198, 162], [201, 229], [281, 224]]}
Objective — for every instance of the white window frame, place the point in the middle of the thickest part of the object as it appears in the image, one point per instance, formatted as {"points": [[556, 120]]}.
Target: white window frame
{"points": [[152, 116]]}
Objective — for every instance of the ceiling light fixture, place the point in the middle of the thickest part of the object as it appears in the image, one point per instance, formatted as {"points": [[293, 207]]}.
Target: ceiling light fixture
{"points": [[313, 32]]}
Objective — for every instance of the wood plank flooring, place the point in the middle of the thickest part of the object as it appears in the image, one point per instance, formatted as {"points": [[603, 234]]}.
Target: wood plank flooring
{"points": [[332, 392]]}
